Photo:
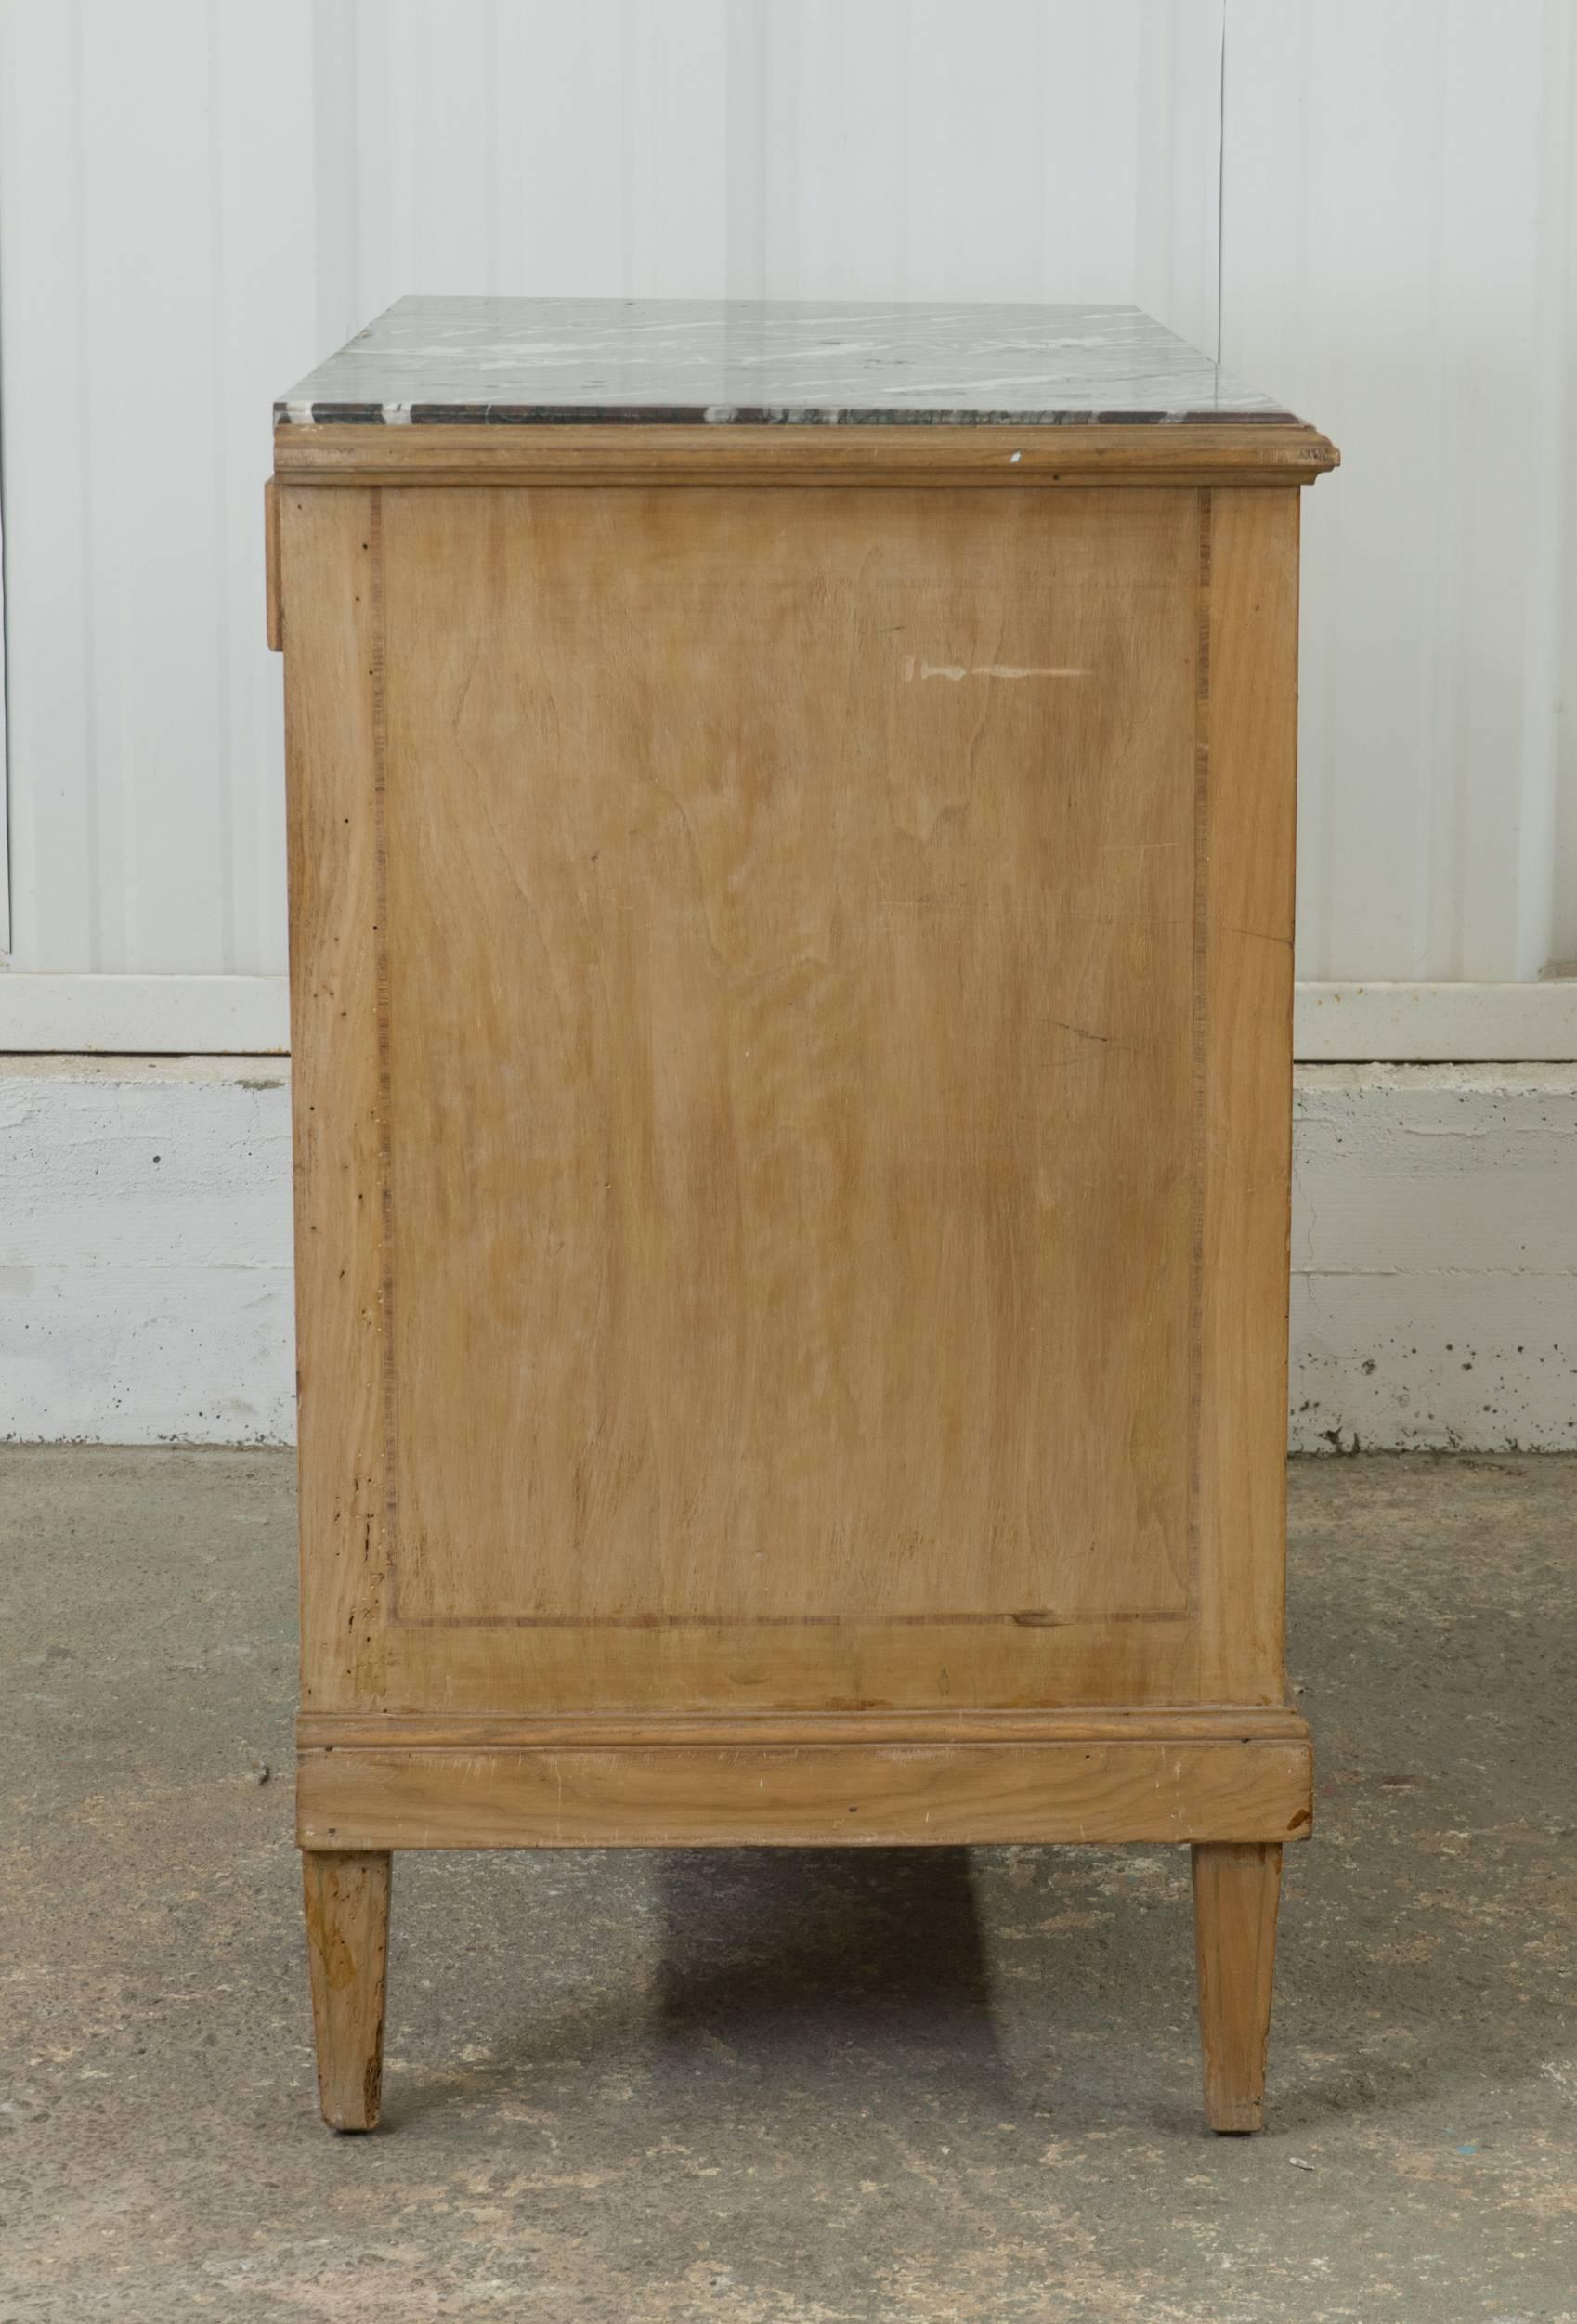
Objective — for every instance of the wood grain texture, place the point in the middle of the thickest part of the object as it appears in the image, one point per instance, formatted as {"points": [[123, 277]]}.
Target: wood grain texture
{"points": [[562, 1731], [789, 924], [914, 457], [1248, 736], [1236, 1891], [329, 565], [833, 1795], [792, 1096], [346, 1898], [729, 1668], [275, 604]]}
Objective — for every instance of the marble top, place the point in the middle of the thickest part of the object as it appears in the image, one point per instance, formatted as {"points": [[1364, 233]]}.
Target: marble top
{"points": [[716, 362]]}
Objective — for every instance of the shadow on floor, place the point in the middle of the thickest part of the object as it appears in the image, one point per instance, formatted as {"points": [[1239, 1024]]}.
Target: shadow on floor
{"points": [[762, 1944]]}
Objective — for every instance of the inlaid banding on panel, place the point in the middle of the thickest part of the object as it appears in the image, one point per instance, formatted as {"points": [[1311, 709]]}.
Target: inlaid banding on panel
{"points": [[797, 954]]}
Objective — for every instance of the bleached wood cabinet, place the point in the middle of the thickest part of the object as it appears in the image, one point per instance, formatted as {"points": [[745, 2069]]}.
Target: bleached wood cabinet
{"points": [[792, 866]]}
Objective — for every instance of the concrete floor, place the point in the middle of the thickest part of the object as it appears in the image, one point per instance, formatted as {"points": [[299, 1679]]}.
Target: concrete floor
{"points": [[902, 2088]]}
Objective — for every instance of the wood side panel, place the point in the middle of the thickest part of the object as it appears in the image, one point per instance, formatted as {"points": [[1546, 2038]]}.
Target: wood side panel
{"points": [[790, 920], [996, 457], [351, 1656], [827, 1796], [1246, 1161], [328, 558]]}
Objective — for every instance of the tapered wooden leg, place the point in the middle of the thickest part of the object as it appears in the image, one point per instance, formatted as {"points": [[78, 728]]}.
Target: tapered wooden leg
{"points": [[1236, 1888], [348, 1939]]}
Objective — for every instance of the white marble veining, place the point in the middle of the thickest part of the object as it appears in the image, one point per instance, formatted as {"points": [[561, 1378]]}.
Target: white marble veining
{"points": [[542, 361]]}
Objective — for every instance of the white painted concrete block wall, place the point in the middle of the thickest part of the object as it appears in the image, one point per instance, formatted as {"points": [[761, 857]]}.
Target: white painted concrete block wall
{"points": [[145, 1251], [1434, 1253], [145, 1256]]}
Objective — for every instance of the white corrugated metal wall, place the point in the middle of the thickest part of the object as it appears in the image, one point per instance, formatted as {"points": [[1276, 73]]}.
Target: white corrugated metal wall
{"points": [[1370, 201]]}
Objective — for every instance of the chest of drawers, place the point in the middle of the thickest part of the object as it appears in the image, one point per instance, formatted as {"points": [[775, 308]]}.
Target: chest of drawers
{"points": [[792, 847]]}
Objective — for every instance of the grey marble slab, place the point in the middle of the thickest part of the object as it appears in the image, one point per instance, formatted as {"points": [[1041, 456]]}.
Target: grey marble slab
{"points": [[535, 362]]}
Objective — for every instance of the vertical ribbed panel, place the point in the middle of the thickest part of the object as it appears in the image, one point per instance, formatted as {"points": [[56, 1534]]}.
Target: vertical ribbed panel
{"points": [[1399, 254], [197, 203], [156, 240]]}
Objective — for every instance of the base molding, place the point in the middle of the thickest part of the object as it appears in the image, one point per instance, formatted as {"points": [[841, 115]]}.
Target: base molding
{"points": [[451, 1731], [950, 1780]]}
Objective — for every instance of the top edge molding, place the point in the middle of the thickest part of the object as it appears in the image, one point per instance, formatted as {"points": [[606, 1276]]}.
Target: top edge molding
{"points": [[1247, 452]]}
